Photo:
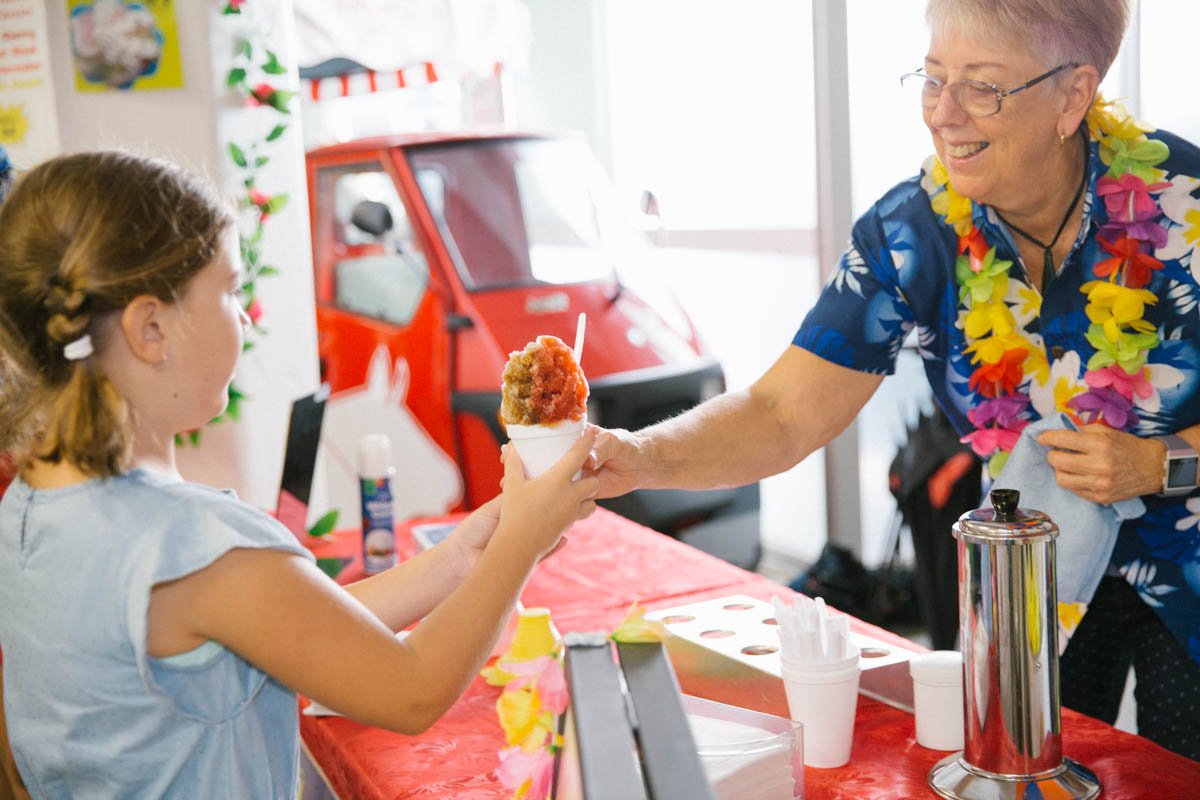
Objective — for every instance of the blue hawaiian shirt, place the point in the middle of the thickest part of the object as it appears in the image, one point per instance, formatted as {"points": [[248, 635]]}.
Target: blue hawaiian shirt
{"points": [[898, 273]]}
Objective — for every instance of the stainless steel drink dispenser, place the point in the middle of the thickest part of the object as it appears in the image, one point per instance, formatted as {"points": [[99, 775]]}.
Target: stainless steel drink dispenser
{"points": [[1009, 637]]}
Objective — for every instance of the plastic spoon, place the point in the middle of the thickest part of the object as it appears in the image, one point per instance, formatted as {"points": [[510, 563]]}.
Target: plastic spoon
{"points": [[577, 350]]}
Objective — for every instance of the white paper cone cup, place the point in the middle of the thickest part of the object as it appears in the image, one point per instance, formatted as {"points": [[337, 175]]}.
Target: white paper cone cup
{"points": [[541, 446], [825, 701]]}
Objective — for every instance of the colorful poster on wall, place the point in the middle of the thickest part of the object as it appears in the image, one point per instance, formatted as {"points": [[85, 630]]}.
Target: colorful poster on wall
{"points": [[119, 44], [28, 122]]}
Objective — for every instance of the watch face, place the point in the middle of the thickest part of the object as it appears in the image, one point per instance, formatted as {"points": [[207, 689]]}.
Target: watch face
{"points": [[1181, 472]]}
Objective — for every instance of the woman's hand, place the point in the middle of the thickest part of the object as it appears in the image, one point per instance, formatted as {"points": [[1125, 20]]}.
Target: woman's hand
{"points": [[618, 461], [1104, 465]]}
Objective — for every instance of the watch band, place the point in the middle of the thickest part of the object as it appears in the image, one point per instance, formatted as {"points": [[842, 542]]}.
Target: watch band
{"points": [[1181, 465]]}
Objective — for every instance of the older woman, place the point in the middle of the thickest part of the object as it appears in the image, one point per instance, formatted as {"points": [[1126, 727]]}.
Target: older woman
{"points": [[1046, 257]]}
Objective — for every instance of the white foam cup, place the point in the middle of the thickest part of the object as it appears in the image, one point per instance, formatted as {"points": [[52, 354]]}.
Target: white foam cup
{"points": [[541, 446], [938, 699], [823, 696]]}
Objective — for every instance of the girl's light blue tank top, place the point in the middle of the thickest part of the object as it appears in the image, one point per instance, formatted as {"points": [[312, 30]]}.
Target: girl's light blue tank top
{"points": [[90, 713]]}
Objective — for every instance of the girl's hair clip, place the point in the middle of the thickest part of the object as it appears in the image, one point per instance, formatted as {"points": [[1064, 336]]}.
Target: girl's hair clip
{"points": [[79, 349]]}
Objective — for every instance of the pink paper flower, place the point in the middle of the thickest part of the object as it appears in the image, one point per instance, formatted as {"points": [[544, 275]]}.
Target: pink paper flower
{"points": [[1127, 198], [546, 675], [987, 441], [526, 775], [552, 688], [1126, 385], [254, 311]]}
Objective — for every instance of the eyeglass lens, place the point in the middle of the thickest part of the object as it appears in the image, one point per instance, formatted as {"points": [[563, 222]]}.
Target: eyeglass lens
{"points": [[977, 99]]}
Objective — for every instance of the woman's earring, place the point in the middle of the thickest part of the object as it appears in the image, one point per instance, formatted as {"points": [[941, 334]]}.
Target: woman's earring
{"points": [[1062, 138]]}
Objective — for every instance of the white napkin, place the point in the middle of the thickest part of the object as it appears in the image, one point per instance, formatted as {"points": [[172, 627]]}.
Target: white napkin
{"points": [[1087, 531]]}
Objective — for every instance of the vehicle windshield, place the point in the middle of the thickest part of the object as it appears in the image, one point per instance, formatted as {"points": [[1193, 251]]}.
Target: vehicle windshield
{"points": [[523, 212]]}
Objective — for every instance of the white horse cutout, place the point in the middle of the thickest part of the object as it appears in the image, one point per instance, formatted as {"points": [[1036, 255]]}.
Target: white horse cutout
{"points": [[427, 481]]}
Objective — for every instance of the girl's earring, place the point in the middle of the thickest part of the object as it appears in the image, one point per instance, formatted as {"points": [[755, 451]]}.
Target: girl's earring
{"points": [[1062, 138]]}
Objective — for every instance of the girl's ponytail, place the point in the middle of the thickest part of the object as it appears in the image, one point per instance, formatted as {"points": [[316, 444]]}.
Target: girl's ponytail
{"points": [[88, 424]]}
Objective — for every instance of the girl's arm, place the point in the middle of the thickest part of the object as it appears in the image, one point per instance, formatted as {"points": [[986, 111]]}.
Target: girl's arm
{"points": [[282, 614], [410, 590]]}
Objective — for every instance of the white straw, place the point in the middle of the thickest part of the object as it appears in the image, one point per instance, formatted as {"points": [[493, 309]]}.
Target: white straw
{"points": [[822, 629], [577, 350], [809, 630]]}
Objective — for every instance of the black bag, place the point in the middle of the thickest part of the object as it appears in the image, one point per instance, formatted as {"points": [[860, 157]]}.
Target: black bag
{"points": [[885, 596], [935, 479], [838, 577]]}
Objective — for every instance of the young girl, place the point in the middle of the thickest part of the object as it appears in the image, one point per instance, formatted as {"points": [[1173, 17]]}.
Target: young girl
{"points": [[155, 631]]}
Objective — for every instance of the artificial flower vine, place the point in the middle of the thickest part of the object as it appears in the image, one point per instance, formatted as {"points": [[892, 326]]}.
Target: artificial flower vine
{"points": [[253, 59], [534, 697], [1010, 363], [249, 158]]}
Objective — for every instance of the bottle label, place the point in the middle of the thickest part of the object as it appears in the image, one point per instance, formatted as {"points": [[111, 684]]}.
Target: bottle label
{"points": [[379, 537]]}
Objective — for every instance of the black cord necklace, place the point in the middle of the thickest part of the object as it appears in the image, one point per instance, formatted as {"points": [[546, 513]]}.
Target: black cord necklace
{"points": [[1047, 249]]}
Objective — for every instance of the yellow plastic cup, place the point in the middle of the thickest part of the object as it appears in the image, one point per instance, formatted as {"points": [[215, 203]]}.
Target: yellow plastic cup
{"points": [[535, 636]]}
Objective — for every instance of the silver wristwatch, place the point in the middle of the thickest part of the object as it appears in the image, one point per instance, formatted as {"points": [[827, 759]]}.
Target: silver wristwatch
{"points": [[1181, 463]]}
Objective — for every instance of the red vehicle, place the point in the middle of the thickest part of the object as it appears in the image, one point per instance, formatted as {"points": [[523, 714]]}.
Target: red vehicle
{"points": [[449, 251]]}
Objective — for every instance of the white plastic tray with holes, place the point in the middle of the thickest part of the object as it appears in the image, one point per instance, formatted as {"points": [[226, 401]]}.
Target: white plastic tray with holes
{"points": [[744, 629]]}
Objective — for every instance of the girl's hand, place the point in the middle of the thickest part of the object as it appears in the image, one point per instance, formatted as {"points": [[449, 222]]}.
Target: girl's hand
{"points": [[537, 511], [473, 534], [1104, 465]]}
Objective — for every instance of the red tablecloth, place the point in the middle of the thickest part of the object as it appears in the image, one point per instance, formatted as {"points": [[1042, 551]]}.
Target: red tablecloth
{"points": [[611, 562]]}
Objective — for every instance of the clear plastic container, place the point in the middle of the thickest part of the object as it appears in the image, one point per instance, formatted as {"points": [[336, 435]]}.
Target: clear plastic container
{"points": [[747, 755]]}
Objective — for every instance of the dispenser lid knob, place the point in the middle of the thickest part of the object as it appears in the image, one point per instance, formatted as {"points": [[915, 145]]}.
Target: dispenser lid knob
{"points": [[1005, 502], [1004, 521]]}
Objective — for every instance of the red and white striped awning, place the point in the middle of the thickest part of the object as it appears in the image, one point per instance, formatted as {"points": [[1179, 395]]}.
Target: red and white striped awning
{"points": [[367, 46], [371, 81]]}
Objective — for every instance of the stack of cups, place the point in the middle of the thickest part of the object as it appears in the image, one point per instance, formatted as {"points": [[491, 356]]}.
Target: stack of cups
{"points": [[823, 697], [820, 671]]}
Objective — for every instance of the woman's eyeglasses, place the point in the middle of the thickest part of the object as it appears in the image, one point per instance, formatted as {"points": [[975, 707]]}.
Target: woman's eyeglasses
{"points": [[977, 98]]}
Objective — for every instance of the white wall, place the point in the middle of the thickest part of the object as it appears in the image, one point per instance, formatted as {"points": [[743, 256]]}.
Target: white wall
{"points": [[563, 86], [747, 307]]}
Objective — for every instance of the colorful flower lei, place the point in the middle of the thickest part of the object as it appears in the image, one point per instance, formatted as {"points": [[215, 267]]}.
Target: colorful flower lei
{"points": [[534, 696], [1012, 372]]}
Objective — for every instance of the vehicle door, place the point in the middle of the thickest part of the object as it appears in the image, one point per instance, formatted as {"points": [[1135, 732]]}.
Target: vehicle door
{"points": [[382, 338]]}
